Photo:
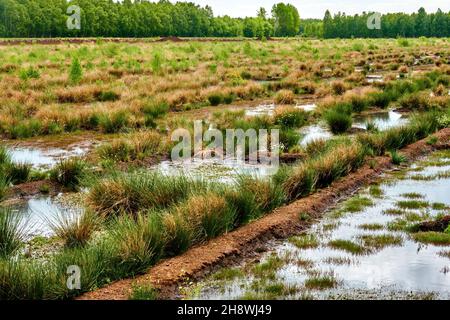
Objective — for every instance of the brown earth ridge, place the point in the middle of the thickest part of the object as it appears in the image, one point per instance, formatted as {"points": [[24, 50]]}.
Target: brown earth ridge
{"points": [[245, 241]]}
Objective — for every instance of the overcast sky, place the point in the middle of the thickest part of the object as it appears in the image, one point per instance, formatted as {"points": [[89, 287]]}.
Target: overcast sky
{"points": [[316, 8]]}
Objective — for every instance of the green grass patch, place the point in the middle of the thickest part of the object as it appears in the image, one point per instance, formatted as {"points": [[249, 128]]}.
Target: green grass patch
{"points": [[228, 274], [376, 191], [445, 254], [412, 195], [394, 212], [348, 246], [436, 238], [12, 232], [398, 225], [321, 282], [268, 268], [357, 204], [306, 241], [439, 206], [412, 204], [371, 226], [381, 241], [143, 292]]}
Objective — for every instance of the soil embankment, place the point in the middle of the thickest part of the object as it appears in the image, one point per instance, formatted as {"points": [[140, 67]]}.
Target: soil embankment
{"points": [[53, 41]]}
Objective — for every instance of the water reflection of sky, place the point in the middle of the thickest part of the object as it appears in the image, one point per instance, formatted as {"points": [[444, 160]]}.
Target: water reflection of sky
{"points": [[396, 271]]}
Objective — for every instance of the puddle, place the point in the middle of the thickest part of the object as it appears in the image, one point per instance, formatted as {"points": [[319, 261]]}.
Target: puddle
{"points": [[220, 171], [38, 211], [45, 158], [382, 120], [314, 132], [374, 78], [307, 107], [269, 109], [261, 110], [403, 270]]}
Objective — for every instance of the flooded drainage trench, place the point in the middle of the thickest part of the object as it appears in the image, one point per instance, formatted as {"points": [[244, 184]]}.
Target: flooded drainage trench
{"points": [[360, 250]]}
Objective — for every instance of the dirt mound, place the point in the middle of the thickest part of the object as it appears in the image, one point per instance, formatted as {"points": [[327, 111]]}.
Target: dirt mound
{"points": [[172, 39]]}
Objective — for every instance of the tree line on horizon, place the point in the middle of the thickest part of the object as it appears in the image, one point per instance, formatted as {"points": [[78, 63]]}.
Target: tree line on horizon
{"points": [[142, 18]]}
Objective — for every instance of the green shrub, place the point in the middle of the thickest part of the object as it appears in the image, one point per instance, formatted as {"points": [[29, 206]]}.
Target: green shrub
{"points": [[229, 98], [382, 99], [117, 150], [178, 233], [76, 72], [209, 215], [359, 103]]}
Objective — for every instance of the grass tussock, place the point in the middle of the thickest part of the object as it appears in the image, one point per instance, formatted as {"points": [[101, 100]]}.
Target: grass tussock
{"points": [[75, 228], [436, 238], [381, 241], [339, 119], [130, 193], [132, 147], [143, 293], [322, 171], [305, 241], [321, 282], [349, 246], [69, 173], [12, 233], [285, 97], [290, 117], [412, 204]]}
